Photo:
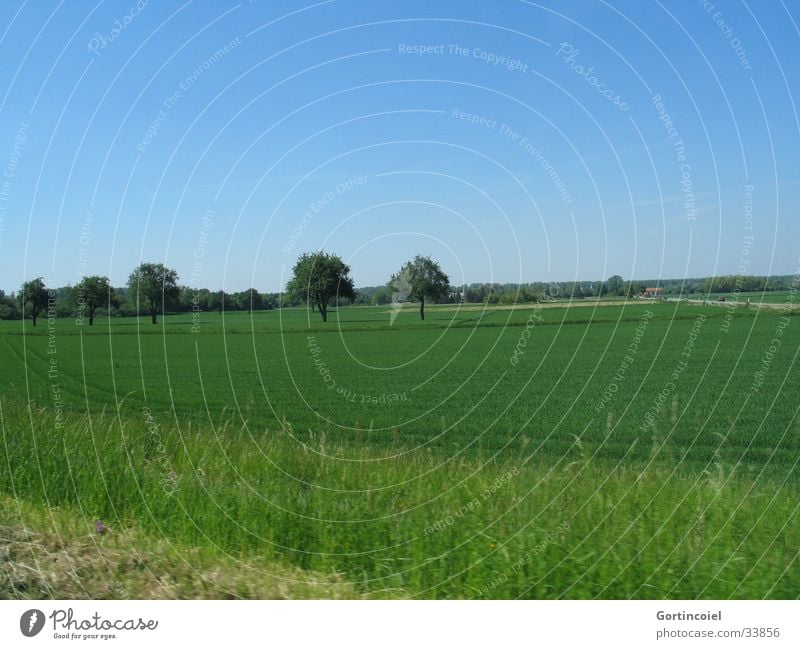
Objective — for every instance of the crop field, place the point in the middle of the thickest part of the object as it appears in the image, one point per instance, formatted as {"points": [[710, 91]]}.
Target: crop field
{"points": [[452, 381], [638, 450]]}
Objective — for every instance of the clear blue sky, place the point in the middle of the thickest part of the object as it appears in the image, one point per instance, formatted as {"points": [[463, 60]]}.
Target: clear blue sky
{"points": [[199, 134]]}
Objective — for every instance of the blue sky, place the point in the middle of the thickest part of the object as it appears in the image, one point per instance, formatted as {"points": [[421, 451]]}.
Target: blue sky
{"points": [[513, 141]]}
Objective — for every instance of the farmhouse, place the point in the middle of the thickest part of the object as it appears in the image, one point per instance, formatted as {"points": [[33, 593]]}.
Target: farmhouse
{"points": [[652, 292]]}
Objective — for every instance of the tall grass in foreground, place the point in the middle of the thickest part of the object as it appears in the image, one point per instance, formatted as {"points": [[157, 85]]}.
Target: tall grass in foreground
{"points": [[413, 522], [50, 554]]}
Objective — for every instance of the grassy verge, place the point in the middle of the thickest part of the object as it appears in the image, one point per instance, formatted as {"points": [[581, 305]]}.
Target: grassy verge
{"points": [[221, 513], [52, 554]]}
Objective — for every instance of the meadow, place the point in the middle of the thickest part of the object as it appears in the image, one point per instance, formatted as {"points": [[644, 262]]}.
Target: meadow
{"points": [[638, 450]]}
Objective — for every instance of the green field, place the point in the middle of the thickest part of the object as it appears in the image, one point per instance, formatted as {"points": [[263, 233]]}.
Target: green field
{"points": [[646, 450]]}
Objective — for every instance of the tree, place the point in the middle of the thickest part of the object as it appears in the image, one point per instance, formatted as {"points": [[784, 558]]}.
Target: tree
{"points": [[421, 278], [381, 296], [33, 296], [318, 278], [93, 292], [153, 285], [8, 307], [249, 300], [615, 285], [632, 289], [216, 301]]}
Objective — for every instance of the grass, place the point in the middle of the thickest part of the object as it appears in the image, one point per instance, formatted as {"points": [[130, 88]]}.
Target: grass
{"points": [[490, 479], [55, 554], [421, 525]]}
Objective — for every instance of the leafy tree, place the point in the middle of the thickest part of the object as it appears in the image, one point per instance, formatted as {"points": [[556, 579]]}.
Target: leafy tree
{"points": [[153, 285], [382, 295], [192, 298], [249, 300], [318, 278], [216, 301], [615, 285], [633, 288], [33, 296], [735, 284], [8, 307], [421, 278], [93, 292], [201, 299]]}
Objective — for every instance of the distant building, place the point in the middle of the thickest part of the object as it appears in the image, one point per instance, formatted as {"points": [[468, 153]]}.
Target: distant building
{"points": [[653, 292]]}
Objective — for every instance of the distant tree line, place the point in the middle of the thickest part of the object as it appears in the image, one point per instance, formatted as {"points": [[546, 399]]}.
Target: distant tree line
{"points": [[321, 279], [186, 300], [614, 286], [152, 289]]}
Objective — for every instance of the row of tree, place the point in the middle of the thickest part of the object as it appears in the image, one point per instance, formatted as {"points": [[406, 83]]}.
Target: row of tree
{"points": [[320, 279], [122, 304], [151, 288], [149, 285]]}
